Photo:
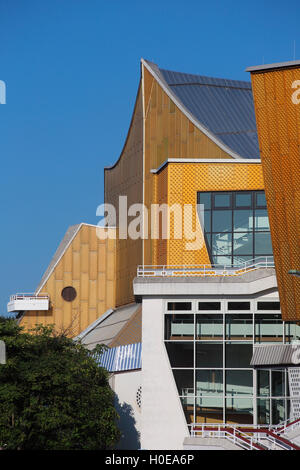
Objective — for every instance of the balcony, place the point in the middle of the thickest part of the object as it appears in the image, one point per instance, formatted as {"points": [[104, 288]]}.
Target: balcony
{"points": [[23, 302]]}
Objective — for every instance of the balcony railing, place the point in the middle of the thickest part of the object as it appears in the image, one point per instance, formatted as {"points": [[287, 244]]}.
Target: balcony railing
{"points": [[214, 270], [23, 302]]}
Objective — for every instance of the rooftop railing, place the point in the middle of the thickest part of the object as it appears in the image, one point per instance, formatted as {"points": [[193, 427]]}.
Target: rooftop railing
{"points": [[214, 270], [28, 297]]}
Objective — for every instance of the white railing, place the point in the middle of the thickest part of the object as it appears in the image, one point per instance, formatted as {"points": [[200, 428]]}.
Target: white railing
{"points": [[205, 269], [252, 437], [28, 297], [288, 425], [226, 431]]}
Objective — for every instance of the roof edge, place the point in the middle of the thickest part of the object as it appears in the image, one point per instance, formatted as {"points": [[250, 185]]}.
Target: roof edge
{"points": [[277, 65], [154, 70], [206, 160], [106, 168], [42, 283]]}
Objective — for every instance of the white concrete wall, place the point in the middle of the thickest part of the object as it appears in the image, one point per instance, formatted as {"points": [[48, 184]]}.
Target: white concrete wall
{"points": [[163, 421], [125, 386]]}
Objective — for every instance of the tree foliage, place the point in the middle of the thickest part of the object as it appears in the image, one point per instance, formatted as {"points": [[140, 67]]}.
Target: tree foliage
{"points": [[53, 395]]}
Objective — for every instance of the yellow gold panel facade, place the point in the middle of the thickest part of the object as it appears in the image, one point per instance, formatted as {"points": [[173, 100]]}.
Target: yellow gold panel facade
{"points": [[178, 183], [88, 265], [278, 124]]}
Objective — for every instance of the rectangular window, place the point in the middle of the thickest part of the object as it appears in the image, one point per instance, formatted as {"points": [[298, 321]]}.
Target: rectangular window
{"points": [[243, 199], [238, 306], [268, 328], [238, 355], [263, 244], [209, 305], [239, 410], [180, 306], [268, 305], [239, 326], [179, 327], [239, 383], [236, 226], [209, 410], [222, 200], [209, 355], [209, 327], [209, 382], [263, 383]]}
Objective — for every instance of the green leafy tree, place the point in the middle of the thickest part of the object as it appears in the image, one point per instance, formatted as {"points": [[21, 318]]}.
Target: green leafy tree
{"points": [[53, 395]]}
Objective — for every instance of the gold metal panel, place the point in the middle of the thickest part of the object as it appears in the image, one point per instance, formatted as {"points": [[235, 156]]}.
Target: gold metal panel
{"points": [[91, 273], [278, 123]]}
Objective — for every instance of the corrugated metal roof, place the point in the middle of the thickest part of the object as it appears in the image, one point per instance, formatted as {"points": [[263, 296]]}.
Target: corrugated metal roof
{"points": [[224, 107], [121, 358], [274, 354]]}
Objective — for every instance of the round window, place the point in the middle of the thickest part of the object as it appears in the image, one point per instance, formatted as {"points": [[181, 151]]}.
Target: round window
{"points": [[69, 293]]}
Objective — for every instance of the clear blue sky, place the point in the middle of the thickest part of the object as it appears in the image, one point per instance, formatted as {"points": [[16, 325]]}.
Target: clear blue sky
{"points": [[71, 68]]}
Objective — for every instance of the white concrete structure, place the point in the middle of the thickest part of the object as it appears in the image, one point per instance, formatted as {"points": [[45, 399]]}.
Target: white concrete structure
{"points": [[163, 422], [23, 302], [127, 387], [171, 402]]}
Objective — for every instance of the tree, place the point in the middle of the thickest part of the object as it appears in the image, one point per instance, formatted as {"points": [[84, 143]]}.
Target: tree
{"points": [[53, 394]]}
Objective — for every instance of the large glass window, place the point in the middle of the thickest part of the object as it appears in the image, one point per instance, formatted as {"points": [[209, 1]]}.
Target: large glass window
{"points": [[239, 383], [238, 355], [239, 410], [209, 410], [209, 327], [209, 382], [268, 328], [179, 327], [210, 345], [209, 355], [236, 226], [239, 326]]}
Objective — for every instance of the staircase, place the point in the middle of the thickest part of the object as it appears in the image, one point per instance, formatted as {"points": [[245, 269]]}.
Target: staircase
{"points": [[252, 437]]}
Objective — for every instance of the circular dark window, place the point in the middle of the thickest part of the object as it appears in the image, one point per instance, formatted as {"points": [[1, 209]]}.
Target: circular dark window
{"points": [[68, 293]]}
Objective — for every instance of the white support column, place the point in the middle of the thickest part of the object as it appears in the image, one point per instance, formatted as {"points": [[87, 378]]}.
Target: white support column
{"points": [[163, 424]]}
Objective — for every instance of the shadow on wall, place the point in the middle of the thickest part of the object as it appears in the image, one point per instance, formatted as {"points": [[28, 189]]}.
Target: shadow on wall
{"points": [[130, 437]]}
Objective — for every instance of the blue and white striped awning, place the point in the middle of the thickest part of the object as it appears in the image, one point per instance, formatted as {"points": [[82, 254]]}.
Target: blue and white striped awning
{"points": [[122, 358]]}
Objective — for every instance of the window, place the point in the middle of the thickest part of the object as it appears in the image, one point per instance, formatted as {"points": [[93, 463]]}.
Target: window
{"points": [[179, 306], [268, 305], [210, 348], [209, 306], [238, 305], [236, 226], [69, 293]]}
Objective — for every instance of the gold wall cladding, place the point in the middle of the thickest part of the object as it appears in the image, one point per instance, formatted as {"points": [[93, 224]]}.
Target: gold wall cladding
{"points": [[183, 181], [278, 125], [88, 265], [168, 134], [125, 178]]}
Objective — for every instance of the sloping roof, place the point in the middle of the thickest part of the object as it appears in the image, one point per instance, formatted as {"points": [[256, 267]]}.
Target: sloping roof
{"points": [[69, 235], [121, 358], [108, 327], [222, 108]]}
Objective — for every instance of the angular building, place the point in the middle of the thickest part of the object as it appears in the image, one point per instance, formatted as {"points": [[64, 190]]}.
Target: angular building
{"points": [[182, 284]]}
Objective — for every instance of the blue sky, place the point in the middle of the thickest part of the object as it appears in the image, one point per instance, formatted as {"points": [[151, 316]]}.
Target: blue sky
{"points": [[71, 68]]}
